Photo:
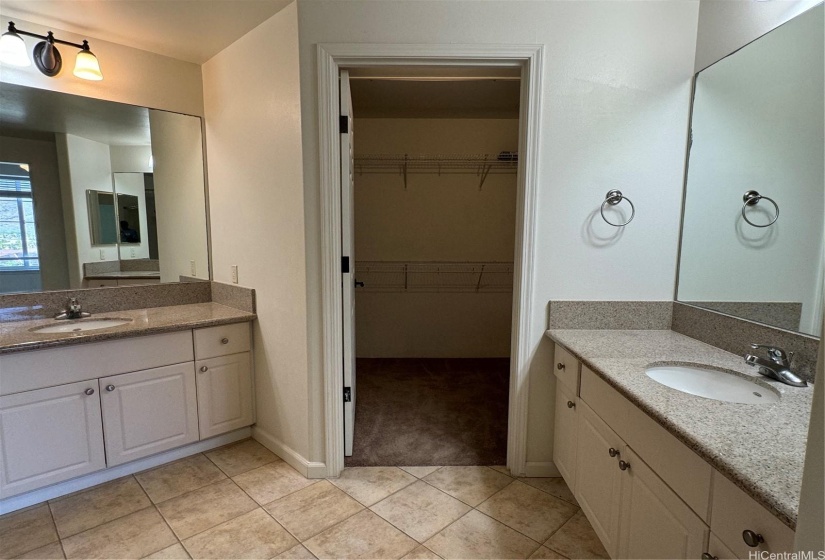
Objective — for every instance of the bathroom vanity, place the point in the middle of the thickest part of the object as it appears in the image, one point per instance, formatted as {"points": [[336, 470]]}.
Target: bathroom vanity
{"points": [[665, 474], [77, 403]]}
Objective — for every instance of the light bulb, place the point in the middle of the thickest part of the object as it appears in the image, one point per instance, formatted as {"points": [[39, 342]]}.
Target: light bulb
{"points": [[13, 50], [86, 66]]}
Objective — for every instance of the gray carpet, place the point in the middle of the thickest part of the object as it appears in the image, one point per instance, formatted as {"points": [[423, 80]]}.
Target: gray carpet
{"points": [[417, 412]]}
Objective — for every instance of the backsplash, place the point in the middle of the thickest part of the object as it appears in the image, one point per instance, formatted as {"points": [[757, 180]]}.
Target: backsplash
{"points": [[631, 315]]}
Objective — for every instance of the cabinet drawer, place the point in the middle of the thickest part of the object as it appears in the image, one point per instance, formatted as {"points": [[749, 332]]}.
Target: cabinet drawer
{"points": [[566, 368], [221, 341], [735, 512]]}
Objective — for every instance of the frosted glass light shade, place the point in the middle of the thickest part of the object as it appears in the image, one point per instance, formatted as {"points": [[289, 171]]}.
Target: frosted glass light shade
{"points": [[87, 67], [13, 50]]}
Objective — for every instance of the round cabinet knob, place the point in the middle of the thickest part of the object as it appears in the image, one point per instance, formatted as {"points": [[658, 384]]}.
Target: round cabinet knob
{"points": [[624, 465], [110, 388], [560, 366], [752, 539], [613, 452], [89, 391], [204, 369], [571, 404], [224, 341]]}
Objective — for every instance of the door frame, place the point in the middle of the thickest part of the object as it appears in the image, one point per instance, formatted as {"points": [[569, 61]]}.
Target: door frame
{"points": [[331, 57]]}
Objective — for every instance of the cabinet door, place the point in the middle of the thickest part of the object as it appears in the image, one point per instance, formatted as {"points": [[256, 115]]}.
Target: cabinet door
{"points": [[49, 435], [654, 522], [598, 480], [224, 394], [564, 440], [149, 411]]}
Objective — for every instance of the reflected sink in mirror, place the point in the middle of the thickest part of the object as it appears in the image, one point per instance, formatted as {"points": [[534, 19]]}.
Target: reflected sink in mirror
{"points": [[712, 384], [80, 326]]}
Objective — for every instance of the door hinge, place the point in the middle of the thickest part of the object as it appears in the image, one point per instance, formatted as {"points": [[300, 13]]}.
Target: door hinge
{"points": [[344, 265], [347, 394], [343, 124]]}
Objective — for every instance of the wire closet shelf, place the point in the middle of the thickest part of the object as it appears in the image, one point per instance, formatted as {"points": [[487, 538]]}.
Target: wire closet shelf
{"points": [[385, 276], [481, 165]]}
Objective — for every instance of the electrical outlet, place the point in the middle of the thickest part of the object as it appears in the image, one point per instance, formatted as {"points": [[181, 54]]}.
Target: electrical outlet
{"points": [[192, 269], [102, 255], [234, 274], [132, 252]]}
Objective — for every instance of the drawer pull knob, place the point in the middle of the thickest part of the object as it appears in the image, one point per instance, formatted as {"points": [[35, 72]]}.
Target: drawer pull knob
{"points": [[89, 391], [571, 404], [709, 556], [204, 369], [110, 388], [752, 539], [624, 465], [613, 452], [224, 341], [559, 366]]}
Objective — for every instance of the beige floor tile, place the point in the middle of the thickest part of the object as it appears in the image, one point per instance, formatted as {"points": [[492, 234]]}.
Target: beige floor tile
{"points": [[179, 477], [48, 552], [528, 510], [422, 553], [241, 457], [369, 485], [420, 510], [133, 536], [554, 486], [252, 535], [502, 469], [272, 481], [296, 553], [577, 539], [26, 530], [477, 536], [544, 553], [206, 507], [471, 485], [87, 509], [174, 552], [307, 512], [364, 535], [419, 472]]}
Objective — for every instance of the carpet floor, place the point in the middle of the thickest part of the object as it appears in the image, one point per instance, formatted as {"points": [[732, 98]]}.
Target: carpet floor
{"points": [[421, 412]]}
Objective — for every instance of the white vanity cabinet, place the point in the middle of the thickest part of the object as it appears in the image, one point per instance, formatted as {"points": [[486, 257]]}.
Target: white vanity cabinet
{"points": [[49, 435], [224, 393], [566, 370]]}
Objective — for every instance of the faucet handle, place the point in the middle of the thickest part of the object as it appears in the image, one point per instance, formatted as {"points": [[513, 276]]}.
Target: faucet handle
{"points": [[776, 353]]}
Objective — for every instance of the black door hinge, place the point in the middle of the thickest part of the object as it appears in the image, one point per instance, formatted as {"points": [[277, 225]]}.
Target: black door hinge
{"points": [[344, 265], [347, 394], [343, 124]]}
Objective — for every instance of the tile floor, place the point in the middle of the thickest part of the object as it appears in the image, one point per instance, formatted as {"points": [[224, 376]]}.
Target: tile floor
{"points": [[241, 501]]}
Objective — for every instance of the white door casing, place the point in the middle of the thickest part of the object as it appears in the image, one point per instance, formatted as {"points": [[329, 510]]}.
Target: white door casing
{"points": [[348, 253]]}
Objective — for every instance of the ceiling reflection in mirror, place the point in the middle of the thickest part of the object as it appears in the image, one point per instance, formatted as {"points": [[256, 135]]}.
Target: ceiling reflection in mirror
{"points": [[754, 217], [96, 193]]}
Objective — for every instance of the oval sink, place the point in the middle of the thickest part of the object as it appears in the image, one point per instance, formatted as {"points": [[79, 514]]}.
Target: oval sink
{"points": [[712, 384], [81, 325]]}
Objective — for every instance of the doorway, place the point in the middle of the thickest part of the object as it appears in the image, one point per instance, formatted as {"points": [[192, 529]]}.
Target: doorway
{"points": [[525, 327]]}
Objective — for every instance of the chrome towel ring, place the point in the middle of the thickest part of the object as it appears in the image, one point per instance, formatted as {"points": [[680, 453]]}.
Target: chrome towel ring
{"points": [[614, 197], [752, 198]]}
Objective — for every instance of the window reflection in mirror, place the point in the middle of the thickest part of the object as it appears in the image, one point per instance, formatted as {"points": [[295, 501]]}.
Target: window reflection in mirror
{"points": [[102, 218]]}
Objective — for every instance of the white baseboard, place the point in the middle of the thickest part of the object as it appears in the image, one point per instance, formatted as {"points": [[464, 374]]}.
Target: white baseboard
{"points": [[21, 501], [310, 469], [534, 469]]}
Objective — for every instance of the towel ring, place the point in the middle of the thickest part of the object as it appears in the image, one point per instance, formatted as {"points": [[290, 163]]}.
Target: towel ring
{"points": [[614, 197], [752, 198]]}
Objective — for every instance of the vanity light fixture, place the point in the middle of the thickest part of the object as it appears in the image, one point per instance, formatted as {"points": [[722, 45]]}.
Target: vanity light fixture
{"points": [[46, 57]]}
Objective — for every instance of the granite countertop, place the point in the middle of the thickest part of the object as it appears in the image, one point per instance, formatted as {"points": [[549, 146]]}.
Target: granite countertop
{"points": [[16, 336], [759, 447], [123, 274]]}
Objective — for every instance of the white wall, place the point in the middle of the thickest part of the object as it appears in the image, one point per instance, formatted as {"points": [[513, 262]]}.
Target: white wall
{"points": [[613, 115], [132, 184], [131, 159], [180, 196], [436, 218], [758, 123], [84, 165], [253, 131]]}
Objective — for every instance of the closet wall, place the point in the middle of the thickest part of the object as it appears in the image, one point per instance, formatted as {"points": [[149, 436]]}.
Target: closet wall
{"points": [[436, 218]]}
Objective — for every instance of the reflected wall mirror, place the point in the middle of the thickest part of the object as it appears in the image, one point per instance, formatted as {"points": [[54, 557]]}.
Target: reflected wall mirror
{"points": [[754, 215], [96, 193]]}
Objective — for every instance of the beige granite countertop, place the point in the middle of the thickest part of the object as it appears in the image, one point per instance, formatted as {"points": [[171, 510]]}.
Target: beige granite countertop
{"points": [[761, 448], [124, 274], [16, 336]]}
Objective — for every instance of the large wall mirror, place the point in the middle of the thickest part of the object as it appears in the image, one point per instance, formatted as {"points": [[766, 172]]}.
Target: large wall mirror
{"points": [[96, 193], [754, 217]]}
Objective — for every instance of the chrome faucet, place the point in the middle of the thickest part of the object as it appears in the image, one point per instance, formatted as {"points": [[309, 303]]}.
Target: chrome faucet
{"points": [[73, 310], [776, 366]]}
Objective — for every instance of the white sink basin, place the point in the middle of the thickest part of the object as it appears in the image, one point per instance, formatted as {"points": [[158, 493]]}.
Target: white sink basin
{"points": [[712, 384], [81, 325]]}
